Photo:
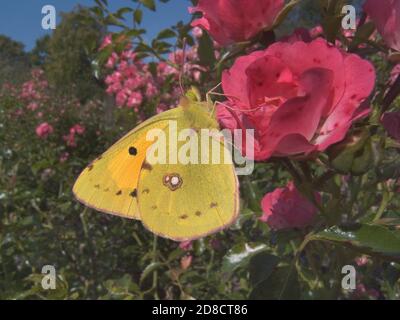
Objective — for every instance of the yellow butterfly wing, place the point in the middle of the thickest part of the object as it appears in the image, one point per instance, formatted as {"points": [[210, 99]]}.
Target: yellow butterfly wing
{"points": [[187, 202], [109, 184]]}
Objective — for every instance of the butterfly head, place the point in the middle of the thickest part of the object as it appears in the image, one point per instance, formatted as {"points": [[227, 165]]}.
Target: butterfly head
{"points": [[202, 112]]}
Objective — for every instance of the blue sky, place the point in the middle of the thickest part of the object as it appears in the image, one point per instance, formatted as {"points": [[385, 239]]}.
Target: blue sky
{"points": [[21, 19]]}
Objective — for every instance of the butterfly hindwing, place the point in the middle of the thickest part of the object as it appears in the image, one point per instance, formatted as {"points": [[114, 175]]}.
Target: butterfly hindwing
{"points": [[186, 202]]}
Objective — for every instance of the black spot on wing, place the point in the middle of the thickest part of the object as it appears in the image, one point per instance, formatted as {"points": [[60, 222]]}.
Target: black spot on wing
{"points": [[132, 151]]}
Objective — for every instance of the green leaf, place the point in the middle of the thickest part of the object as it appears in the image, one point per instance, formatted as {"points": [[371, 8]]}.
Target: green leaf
{"points": [[240, 255], [149, 4], [149, 270], [261, 266], [121, 12], [284, 12], [138, 16], [166, 33], [369, 238], [206, 50], [282, 284]]}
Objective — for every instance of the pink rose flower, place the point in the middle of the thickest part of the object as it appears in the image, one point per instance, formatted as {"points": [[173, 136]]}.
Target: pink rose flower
{"points": [[77, 129], [64, 157], [287, 208], [386, 16], [197, 32], [32, 106], [44, 130], [235, 21], [391, 122], [106, 41], [296, 103]]}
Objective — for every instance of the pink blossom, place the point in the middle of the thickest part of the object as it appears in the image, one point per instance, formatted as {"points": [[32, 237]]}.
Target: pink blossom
{"points": [[386, 16], [106, 41], [197, 32], [79, 129], [134, 100], [44, 130], [112, 60], [237, 21], [297, 104], [64, 157], [186, 262], [362, 261], [70, 140], [186, 245], [32, 106], [287, 208]]}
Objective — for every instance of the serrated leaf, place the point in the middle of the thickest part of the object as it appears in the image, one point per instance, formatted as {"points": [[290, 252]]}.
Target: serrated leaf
{"points": [[261, 266], [282, 284], [369, 238]]}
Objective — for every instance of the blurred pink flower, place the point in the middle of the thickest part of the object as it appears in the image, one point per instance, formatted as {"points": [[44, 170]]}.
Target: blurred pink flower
{"points": [[288, 208], [362, 261], [64, 157], [70, 140], [79, 129], [186, 262], [112, 61], [32, 106], [197, 32], [134, 100], [386, 16], [106, 41], [186, 245], [44, 130]]}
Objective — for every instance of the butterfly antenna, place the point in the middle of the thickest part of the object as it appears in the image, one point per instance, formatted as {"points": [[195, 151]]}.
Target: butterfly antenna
{"points": [[182, 67], [212, 92]]}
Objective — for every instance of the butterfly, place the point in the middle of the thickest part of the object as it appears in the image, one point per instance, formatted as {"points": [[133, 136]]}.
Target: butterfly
{"points": [[173, 200]]}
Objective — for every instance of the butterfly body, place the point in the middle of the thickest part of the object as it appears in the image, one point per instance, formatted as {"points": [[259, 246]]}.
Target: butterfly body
{"points": [[179, 201]]}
